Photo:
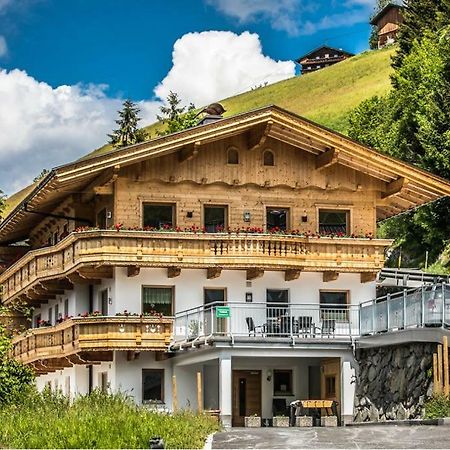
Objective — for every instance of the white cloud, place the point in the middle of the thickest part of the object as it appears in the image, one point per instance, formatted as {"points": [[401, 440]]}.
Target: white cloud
{"points": [[213, 65], [3, 46], [280, 13], [41, 126]]}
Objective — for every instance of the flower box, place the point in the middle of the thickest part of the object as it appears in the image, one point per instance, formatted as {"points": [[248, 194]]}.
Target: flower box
{"points": [[281, 421], [252, 422]]}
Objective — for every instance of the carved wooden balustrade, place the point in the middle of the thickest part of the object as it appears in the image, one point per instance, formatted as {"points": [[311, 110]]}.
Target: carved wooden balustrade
{"points": [[94, 250], [90, 339]]}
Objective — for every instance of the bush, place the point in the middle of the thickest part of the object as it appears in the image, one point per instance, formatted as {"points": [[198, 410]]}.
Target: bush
{"points": [[437, 407], [98, 420]]}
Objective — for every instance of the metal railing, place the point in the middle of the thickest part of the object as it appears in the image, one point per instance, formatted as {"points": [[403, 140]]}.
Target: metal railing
{"points": [[266, 320], [428, 306]]}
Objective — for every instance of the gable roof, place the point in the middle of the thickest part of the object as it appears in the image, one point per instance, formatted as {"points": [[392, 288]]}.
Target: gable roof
{"points": [[383, 11], [307, 55], [406, 185]]}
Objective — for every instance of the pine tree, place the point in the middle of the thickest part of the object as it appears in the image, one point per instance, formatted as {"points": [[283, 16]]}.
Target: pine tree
{"points": [[176, 117], [2, 203], [128, 132]]}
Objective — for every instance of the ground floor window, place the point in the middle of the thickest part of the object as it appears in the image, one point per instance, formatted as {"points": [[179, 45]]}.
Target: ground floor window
{"points": [[157, 299], [153, 385], [282, 382]]}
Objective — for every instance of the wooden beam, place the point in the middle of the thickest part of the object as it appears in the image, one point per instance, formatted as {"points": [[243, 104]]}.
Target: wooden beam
{"points": [[133, 271], [367, 277], [291, 274], [189, 152], [436, 387], [106, 178], [330, 276], [327, 159], [254, 273], [173, 272], [75, 278], [104, 190], [440, 366], [199, 392], [174, 394], [257, 138], [394, 187], [213, 272], [93, 357]]}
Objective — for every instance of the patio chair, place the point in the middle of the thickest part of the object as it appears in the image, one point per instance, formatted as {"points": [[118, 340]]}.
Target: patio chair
{"points": [[306, 326], [328, 327], [252, 328]]}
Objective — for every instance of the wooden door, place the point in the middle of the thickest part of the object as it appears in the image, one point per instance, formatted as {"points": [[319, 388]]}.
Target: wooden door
{"points": [[246, 395], [330, 380]]}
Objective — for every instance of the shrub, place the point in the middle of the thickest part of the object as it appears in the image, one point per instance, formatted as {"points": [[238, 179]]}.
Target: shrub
{"points": [[98, 420], [437, 406]]}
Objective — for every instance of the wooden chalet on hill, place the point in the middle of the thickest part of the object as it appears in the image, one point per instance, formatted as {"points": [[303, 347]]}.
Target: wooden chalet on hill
{"points": [[388, 21], [321, 57]]}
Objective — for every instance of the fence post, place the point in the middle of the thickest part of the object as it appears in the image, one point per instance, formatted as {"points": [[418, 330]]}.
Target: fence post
{"points": [[199, 392], [440, 367], [174, 393], [404, 308], [436, 389], [423, 306], [446, 374], [443, 304], [388, 317]]}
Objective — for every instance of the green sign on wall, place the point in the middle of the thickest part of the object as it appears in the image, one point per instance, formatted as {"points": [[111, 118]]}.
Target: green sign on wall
{"points": [[222, 312]]}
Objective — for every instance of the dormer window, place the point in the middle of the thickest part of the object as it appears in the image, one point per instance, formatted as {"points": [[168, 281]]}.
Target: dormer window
{"points": [[268, 158], [233, 156]]}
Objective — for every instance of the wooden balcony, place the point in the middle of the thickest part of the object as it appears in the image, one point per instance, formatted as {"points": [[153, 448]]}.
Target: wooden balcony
{"points": [[90, 255], [90, 340]]}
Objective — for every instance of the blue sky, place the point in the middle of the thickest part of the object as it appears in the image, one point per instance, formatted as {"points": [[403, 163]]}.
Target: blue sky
{"points": [[65, 65]]}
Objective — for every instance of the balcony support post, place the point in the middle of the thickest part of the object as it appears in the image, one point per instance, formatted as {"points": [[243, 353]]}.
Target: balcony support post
{"points": [[423, 306], [404, 308], [225, 389]]}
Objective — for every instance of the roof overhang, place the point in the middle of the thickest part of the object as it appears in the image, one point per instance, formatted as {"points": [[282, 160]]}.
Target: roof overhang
{"points": [[405, 186], [383, 12]]}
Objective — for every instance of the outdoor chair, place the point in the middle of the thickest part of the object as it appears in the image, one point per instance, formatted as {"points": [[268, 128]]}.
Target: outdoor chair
{"points": [[252, 329], [328, 327]]}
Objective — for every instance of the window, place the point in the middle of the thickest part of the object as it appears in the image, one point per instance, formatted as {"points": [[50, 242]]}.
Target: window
{"points": [[153, 385], [157, 299], [50, 315], [282, 382], [37, 320], [233, 156], [333, 305], [277, 218], [217, 297], [334, 221], [215, 218], [278, 302], [268, 158], [103, 381], [330, 386], [159, 215], [55, 237], [57, 315]]}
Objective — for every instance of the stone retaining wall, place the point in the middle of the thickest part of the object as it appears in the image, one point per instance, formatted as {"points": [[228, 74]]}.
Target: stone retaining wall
{"points": [[393, 382]]}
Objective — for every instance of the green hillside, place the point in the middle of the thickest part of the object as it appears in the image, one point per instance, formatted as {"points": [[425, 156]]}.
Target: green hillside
{"points": [[326, 96]]}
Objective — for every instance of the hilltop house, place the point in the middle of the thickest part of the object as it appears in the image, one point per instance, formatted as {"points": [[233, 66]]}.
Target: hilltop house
{"points": [[321, 57], [388, 21], [220, 267]]}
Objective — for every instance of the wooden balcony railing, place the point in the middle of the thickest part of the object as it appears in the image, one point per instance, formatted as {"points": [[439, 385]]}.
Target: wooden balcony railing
{"points": [[91, 249], [91, 335]]}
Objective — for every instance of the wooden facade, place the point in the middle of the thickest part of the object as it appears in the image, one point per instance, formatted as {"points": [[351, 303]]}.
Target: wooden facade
{"points": [[388, 22], [322, 57], [87, 218]]}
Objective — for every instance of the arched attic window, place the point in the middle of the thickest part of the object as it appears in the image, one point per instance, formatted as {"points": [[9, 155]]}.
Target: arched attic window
{"points": [[233, 155], [268, 158]]}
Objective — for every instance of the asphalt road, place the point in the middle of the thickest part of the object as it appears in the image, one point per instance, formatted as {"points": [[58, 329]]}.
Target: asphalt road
{"points": [[389, 436]]}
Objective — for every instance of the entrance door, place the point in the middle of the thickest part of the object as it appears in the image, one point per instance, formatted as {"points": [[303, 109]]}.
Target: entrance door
{"points": [[246, 395], [330, 383]]}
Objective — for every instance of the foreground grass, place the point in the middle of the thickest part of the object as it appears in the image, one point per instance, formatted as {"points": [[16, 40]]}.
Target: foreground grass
{"points": [[97, 421]]}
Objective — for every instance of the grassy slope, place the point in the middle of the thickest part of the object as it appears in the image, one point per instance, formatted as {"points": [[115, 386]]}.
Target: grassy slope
{"points": [[326, 96]]}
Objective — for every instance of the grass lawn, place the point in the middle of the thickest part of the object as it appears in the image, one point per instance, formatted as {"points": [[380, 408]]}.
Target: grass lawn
{"points": [[97, 421]]}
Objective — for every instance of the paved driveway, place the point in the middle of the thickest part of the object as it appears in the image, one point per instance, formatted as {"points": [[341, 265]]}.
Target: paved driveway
{"points": [[389, 436]]}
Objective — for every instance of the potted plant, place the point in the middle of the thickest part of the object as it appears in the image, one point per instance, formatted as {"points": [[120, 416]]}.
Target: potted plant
{"points": [[281, 421], [253, 421]]}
